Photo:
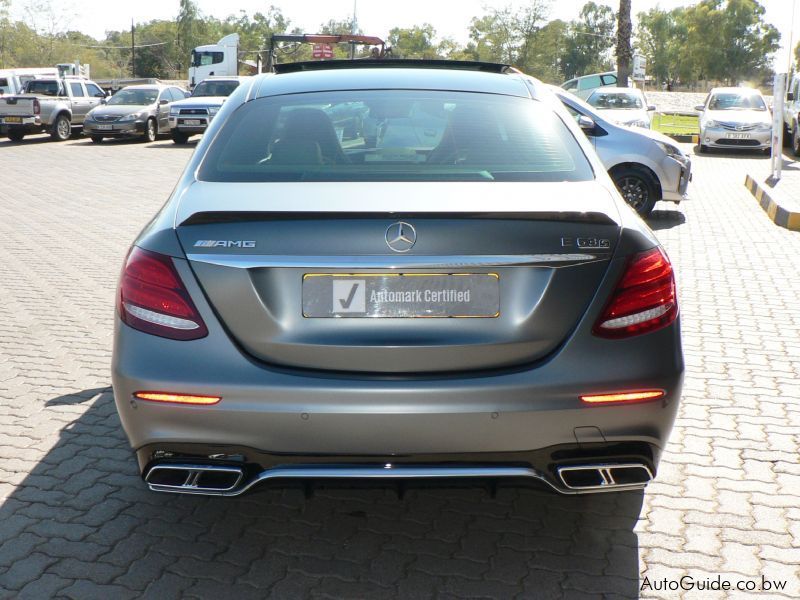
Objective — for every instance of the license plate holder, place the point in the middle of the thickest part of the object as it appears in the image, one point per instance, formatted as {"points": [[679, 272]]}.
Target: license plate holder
{"points": [[401, 295]]}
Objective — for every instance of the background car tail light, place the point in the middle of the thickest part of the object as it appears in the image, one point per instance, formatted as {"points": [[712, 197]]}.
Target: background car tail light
{"points": [[37, 107], [644, 299], [153, 299]]}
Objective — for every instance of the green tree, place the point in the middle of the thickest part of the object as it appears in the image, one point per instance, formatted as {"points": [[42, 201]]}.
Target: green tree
{"points": [[588, 41], [662, 39], [414, 42], [189, 32], [5, 32]]}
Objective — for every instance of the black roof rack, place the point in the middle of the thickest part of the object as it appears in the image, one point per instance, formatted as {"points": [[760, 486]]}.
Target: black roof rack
{"points": [[384, 63]]}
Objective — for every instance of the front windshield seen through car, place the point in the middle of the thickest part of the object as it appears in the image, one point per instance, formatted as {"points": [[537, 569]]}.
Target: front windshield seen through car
{"points": [[214, 88], [394, 135], [134, 97], [734, 101], [616, 100]]}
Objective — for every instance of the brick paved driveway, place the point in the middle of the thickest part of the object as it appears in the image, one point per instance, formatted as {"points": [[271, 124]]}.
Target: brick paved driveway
{"points": [[76, 521]]}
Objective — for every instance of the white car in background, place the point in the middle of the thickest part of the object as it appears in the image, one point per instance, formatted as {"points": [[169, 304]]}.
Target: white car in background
{"points": [[735, 118], [645, 165], [626, 106]]}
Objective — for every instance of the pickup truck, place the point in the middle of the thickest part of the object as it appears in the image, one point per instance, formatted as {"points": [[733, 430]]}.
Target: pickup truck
{"points": [[52, 105]]}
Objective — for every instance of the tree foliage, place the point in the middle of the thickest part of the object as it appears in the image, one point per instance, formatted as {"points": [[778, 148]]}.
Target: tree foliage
{"points": [[724, 40]]}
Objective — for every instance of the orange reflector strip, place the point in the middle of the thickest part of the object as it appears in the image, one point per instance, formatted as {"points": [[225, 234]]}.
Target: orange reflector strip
{"points": [[623, 397], [177, 398]]}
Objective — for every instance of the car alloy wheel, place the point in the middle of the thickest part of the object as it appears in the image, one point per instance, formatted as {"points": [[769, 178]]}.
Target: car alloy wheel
{"points": [[636, 189], [63, 129], [150, 131]]}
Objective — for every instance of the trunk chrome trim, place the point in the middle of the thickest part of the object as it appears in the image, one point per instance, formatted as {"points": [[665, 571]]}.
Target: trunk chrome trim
{"points": [[253, 261]]}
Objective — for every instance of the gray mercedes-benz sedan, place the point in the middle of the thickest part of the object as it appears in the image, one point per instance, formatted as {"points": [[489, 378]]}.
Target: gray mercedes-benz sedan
{"points": [[396, 270]]}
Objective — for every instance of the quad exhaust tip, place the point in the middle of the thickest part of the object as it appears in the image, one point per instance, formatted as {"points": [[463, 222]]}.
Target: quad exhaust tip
{"points": [[229, 480], [194, 479], [605, 477]]}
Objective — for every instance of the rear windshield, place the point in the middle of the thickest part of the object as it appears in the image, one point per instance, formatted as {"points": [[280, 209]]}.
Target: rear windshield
{"points": [[393, 135], [45, 88]]}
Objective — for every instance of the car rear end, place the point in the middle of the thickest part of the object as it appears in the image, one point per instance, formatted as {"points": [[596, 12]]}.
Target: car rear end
{"points": [[20, 114], [449, 300]]}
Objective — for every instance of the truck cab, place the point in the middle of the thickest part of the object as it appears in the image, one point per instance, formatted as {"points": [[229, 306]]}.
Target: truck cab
{"points": [[220, 59]]}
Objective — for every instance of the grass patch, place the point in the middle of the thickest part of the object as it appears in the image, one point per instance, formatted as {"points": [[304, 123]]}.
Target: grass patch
{"points": [[676, 123]]}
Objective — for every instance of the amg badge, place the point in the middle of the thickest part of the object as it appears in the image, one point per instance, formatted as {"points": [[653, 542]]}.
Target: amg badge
{"points": [[225, 244]]}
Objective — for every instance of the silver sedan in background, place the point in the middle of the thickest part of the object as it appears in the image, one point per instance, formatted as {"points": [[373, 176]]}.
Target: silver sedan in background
{"points": [[135, 111], [735, 118]]}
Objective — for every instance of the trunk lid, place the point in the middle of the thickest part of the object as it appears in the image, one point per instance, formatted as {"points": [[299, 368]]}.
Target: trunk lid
{"points": [[532, 262]]}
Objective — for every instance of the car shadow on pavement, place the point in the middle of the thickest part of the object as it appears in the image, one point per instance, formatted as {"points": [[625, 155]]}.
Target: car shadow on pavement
{"points": [[665, 219], [82, 524]]}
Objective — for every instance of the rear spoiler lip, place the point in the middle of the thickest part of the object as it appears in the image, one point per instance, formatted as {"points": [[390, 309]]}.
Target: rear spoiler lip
{"points": [[219, 217]]}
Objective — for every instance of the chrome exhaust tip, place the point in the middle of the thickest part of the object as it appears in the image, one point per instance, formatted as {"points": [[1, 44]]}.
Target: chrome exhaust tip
{"points": [[608, 477], [194, 479]]}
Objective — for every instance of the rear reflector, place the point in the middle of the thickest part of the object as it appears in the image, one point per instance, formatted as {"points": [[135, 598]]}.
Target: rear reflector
{"points": [[153, 299], [177, 398], [623, 397], [644, 300]]}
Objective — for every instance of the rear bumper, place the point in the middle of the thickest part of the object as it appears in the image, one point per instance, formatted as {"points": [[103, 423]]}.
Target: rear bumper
{"points": [[270, 416], [317, 418]]}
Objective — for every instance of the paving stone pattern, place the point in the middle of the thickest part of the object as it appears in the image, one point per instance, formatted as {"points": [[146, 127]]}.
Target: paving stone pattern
{"points": [[77, 522]]}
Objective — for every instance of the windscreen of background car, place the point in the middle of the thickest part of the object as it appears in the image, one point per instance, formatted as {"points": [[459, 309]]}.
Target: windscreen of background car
{"points": [[134, 97], [214, 88], [615, 101], [733, 101], [394, 135]]}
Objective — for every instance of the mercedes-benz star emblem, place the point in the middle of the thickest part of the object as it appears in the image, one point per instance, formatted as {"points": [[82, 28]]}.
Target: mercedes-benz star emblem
{"points": [[401, 236]]}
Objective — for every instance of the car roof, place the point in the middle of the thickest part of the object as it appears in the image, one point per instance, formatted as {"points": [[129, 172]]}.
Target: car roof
{"points": [[395, 75]]}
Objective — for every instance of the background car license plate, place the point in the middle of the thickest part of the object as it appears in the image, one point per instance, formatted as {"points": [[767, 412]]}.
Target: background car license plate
{"points": [[105, 127], [192, 121], [13, 119], [403, 295], [737, 136]]}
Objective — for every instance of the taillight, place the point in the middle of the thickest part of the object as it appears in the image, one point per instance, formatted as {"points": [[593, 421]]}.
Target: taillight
{"points": [[618, 397], [153, 299], [644, 299], [37, 108], [177, 398]]}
